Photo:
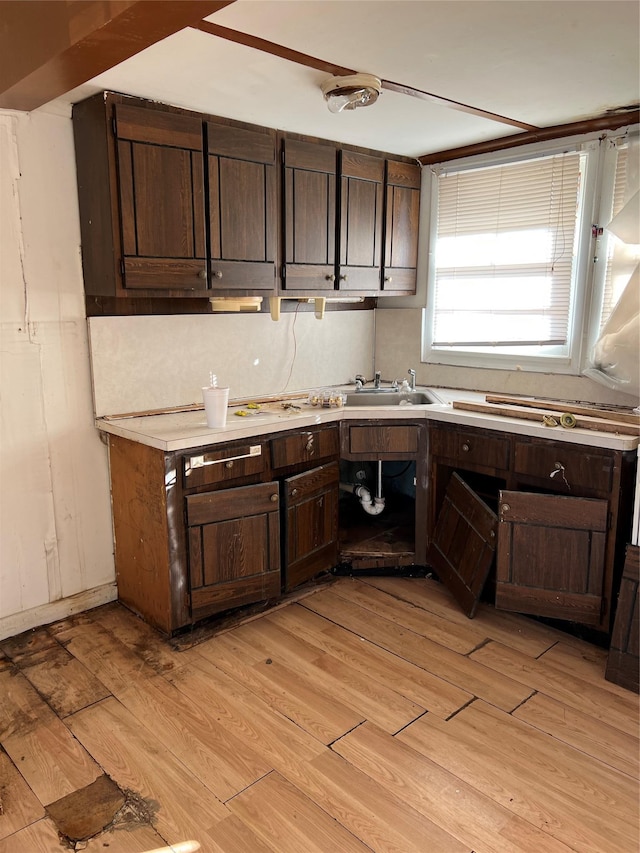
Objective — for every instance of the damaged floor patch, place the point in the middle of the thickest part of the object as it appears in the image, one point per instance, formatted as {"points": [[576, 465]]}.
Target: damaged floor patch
{"points": [[99, 806]]}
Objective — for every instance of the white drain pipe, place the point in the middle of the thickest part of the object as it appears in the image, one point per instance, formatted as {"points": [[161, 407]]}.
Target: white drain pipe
{"points": [[371, 505]]}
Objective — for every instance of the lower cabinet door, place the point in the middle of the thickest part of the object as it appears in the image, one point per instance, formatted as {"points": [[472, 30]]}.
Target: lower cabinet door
{"points": [[234, 547], [551, 556], [311, 523]]}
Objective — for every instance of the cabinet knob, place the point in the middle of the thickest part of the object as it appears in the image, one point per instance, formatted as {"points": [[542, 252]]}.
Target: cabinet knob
{"points": [[228, 464], [330, 278], [294, 492], [202, 274], [505, 508], [274, 498], [466, 447], [217, 273], [388, 278], [343, 278]]}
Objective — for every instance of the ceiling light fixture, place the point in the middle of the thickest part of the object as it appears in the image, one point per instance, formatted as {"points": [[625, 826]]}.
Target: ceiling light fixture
{"points": [[350, 92]]}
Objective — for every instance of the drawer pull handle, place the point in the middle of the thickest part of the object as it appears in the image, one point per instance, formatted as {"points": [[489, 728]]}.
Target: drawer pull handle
{"points": [[466, 447], [229, 464], [274, 498], [204, 461], [309, 446]]}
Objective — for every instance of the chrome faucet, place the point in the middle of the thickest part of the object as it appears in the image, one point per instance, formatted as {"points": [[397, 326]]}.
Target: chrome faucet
{"points": [[376, 379], [360, 380], [412, 382]]}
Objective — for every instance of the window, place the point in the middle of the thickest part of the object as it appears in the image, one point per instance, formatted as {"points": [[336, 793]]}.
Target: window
{"points": [[511, 271]]}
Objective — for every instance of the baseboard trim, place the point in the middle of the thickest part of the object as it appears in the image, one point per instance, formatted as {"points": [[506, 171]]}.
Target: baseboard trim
{"points": [[55, 610]]}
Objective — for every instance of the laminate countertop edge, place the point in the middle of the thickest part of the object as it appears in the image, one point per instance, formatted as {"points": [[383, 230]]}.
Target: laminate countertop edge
{"points": [[188, 430]]}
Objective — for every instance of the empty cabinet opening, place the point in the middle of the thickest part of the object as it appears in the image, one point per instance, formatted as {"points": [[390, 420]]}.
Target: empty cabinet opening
{"points": [[377, 515]]}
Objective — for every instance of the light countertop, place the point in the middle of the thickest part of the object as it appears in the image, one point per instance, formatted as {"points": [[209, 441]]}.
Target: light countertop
{"points": [[188, 430]]}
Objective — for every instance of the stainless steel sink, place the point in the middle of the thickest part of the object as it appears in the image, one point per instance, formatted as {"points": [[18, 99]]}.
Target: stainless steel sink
{"points": [[392, 398]]}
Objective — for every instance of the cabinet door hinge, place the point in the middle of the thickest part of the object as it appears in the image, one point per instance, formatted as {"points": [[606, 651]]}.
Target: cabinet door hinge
{"points": [[282, 156], [122, 267], [283, 271], [114, 126]]}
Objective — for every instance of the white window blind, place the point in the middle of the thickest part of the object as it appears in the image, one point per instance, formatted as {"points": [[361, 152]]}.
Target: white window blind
{"points": [[505, 253]]}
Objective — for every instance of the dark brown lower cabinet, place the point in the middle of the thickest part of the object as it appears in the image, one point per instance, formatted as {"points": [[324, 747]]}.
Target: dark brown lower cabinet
{"points": [[564, 515], [623, 663], [234, 547], [464, 544], [310, 523], [551, 556], [204, 531]]}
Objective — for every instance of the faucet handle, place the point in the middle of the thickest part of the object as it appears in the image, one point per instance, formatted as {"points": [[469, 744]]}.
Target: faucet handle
{"points": [[412, 374]]}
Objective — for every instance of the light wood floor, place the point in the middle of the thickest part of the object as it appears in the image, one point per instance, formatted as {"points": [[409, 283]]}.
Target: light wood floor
{"points": [[369, 715]]}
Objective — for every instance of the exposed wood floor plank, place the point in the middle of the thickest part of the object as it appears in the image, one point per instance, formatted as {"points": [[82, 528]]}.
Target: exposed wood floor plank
{"points": [[372, 699], [20, 806], [437, 695], [451, 635], [500, 768], [290, 822], [223, 762], [609, 745], [40, 745], [65, 683], [284, 689], [463, 672], [180, 803], [518, 632], [619, 710], [443, 797], [368, 715]]}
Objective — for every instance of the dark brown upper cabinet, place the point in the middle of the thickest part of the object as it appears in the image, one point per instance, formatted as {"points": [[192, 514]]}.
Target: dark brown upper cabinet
{"points": [[241, 166], [141, 199], [309, 217], [361, 213], [161, 196], [182, 205], [343, 219], [402, 213]]}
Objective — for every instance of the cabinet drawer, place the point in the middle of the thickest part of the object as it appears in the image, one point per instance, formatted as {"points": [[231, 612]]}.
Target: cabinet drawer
{"points": [[579, 467], [383, 439], [220, 465], [303, 486], [462, 447], [304, 446]]}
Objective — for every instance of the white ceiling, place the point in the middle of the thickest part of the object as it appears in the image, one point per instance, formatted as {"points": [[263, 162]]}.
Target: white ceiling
{"points": [[544, 62]]}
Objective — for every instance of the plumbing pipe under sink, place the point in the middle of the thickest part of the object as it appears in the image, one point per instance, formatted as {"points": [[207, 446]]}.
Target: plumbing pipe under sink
{"points": [[371, 505]]}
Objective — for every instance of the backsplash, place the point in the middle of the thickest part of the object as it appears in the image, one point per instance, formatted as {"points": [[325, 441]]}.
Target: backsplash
{"points": [[141, 363]]}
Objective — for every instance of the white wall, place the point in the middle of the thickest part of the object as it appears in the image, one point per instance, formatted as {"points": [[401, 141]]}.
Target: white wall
{"points": [[55, 528]]}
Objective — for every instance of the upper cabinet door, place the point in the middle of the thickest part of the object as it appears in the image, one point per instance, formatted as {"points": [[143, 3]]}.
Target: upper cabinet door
{"points": [[242, 207], [401, 227], [361, 211], [309, 216], [161, 194]]}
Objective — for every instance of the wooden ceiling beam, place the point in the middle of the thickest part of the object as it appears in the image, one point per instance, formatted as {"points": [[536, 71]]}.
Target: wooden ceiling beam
{"points": [[49, 48], [611, 121]]}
